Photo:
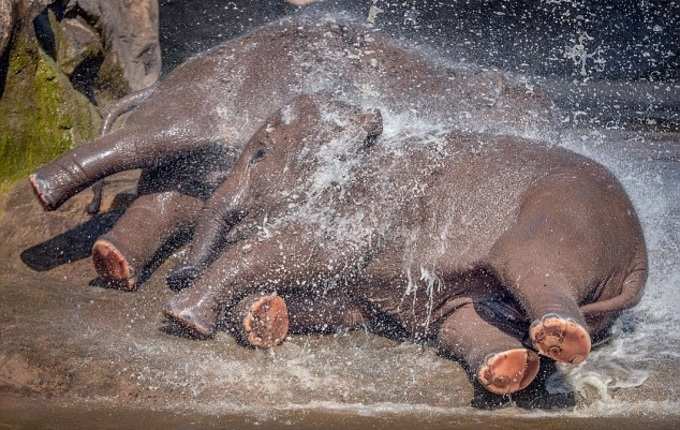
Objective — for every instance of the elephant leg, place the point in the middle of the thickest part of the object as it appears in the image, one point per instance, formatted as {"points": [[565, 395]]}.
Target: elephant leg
{"points": [[559, 329], [152, 219], [288, 258], [264, 320], [499, 361], [115, 152], [223, 210], [122, 106], [546, 262]]}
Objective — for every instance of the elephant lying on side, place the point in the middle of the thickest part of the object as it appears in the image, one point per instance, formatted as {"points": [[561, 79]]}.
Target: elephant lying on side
{"points": [[474, 240], [430, 231]]}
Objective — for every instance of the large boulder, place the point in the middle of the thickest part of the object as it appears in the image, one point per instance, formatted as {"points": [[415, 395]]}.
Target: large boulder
{"points": [[59, 59], [129, 33], [41, 114]]}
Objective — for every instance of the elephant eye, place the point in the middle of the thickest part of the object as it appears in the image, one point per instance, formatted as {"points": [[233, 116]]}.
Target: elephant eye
{"points": [[258, 155]]}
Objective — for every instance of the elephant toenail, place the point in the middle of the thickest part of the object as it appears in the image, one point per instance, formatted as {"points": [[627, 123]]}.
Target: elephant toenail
{"points": [[577, 359]]}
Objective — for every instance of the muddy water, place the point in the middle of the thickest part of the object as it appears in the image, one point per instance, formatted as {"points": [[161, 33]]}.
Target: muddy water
{"points": [[44, 415]]}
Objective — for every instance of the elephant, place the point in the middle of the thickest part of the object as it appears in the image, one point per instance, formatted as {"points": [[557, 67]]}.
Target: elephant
{"points": [[207, 108], [314, 158], [475, 240]]}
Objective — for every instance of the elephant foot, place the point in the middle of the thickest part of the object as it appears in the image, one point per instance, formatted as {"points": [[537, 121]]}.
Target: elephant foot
{"points": [[561, 339], [264, 321], [112, 266], [41, 191], [197, 322], [509, 371]]}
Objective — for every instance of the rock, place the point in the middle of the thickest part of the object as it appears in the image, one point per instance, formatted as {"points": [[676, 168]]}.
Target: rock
{"points": [[76, 42], [129, 30], [41, 114], [6, 23]]}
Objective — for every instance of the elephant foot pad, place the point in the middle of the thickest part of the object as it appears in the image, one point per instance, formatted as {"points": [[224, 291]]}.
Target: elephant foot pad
{"points": [[111, 265], [509, 371], [266, 321], [35, 186], [561, 339]]}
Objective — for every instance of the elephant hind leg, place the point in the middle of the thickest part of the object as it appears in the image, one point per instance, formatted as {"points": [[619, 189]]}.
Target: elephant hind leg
{"points": [[115, 152], [119, 255], [497, 359], [550, 299], [561, 339]]}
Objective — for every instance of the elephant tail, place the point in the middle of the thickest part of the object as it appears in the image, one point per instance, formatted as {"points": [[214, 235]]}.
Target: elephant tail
{"points": [[123, 106], [631, 291]]}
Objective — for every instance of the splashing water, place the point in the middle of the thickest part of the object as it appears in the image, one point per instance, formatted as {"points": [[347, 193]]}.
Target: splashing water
{"points": [[645, 341]]}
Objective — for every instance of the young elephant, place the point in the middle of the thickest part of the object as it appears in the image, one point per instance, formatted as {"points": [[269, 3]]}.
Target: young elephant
{"points": [[210, 106], [417, 227]]}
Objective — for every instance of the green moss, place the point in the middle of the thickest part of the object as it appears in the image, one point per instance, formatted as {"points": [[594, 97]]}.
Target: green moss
{"points": [[41, 115]]}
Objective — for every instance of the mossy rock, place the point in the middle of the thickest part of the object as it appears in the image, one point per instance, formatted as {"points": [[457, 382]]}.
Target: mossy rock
{"points": [[41, 114]]}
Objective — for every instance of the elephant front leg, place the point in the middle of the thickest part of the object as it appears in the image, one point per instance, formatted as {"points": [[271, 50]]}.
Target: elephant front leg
{"points": [[497, 359], [287, 259], [152, 219], [223, 210]]}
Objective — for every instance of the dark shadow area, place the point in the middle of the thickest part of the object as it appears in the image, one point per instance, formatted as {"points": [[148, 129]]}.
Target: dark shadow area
{"points": [[72, 245], [4, 67], [171, 328], [535, 396], [43, 30], [84, 77], [629, 39], [75, 244], [188, 27]]}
